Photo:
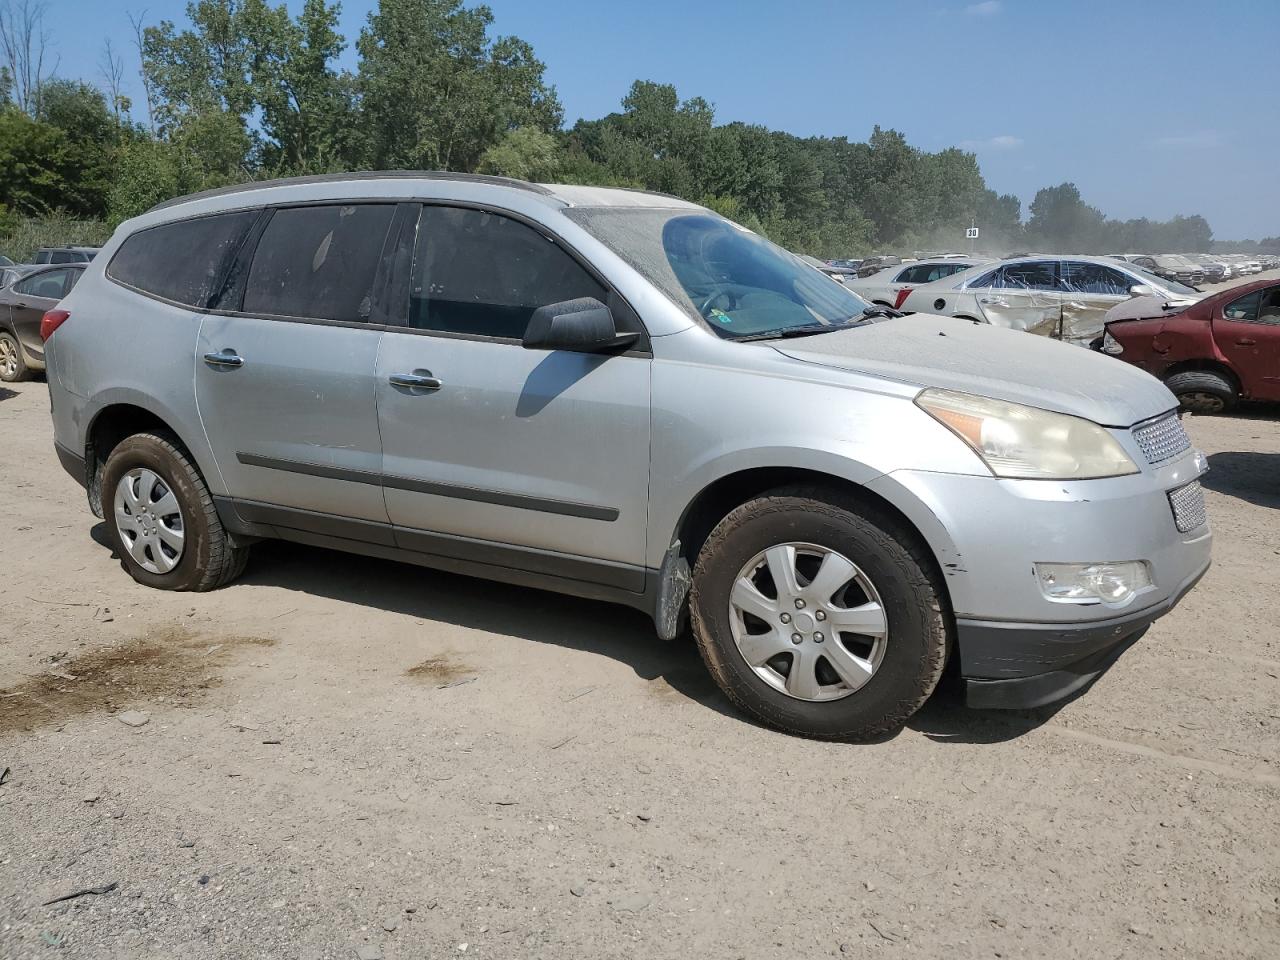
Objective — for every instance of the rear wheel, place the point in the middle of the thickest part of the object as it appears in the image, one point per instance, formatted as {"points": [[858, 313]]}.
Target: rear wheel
{"points": [[1203, 391], [12, 366], [161, 517], [818, 615]]}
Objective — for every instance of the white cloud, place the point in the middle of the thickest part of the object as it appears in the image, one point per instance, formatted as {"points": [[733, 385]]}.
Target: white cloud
{"points": [[1196, 140], [988, 8], [1003, 142]]}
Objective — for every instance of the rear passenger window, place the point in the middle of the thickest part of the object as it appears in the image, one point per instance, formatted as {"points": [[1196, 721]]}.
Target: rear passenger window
{"points": [[50, 285], [319, 262], [485, 274], [181, 261]]}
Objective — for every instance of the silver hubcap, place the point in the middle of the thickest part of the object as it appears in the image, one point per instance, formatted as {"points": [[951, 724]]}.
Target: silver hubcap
{"points": [[8, 357], [149, 520], [808, 621]]}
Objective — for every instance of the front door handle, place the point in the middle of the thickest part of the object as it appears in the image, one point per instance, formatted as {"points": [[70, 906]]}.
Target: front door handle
{"points": [[1075, 305], [1246, 342], [227, 358], [416, 381]]}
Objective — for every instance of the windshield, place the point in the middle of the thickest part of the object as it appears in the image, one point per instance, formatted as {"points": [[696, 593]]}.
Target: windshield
{"points": [[1160, 283], [738, 283]]}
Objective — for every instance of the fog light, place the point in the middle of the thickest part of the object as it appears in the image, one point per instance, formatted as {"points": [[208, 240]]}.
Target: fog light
{"points": [[1093, 582]]}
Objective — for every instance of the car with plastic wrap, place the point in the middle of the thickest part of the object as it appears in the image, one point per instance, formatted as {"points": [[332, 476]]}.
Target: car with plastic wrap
{"points": [[624, 396], [1064, 298], [1210, 354]]}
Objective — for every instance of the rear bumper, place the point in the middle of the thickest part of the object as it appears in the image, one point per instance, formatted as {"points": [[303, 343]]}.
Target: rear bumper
{"points": [[1024, 665], [72, 463]]}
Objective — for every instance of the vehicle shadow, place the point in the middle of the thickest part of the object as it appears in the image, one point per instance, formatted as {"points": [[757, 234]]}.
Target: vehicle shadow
{"points": [[945, 718], [608, 630], [6, 393], [1248, 476]]}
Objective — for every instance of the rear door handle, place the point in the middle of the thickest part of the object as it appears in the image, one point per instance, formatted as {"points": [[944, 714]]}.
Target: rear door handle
{"points": [[994, 301], [227, 358], [416, 381], [1075, 305], [1246, 342]]}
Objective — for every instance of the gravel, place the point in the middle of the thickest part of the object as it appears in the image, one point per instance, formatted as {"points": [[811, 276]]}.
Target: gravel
{"points": [[1023, 835]]}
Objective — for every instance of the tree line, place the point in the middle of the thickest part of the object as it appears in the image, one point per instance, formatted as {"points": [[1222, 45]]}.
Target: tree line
{"points": [[247, 91]]}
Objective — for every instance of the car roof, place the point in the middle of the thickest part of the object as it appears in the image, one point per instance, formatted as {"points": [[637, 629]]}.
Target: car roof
{"points": [[428, 183]]}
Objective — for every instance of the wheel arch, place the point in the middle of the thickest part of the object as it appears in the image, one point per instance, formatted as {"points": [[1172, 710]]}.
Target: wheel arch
{"points": [[1203, 365], [116, 420], [721, 496]]}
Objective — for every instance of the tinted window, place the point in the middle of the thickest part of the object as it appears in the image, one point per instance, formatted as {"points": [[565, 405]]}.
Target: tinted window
{"points": [[1094, 278], [181, 261], [485, 274], [319, 262], [1038, 275], [986, 280], [51, 284]]}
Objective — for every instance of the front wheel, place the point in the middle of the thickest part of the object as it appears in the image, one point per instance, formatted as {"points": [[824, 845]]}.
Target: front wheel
{"points": [[161, 517], [818, 615], [1203, 391]]}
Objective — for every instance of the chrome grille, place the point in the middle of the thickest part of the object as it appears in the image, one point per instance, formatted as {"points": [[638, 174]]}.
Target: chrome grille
{"points": [[1188, 506], [1162, 439]]}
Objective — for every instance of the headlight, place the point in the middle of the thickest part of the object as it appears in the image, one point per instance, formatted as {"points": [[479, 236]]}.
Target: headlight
{"points": [[1110, 345], [1027, 443]]}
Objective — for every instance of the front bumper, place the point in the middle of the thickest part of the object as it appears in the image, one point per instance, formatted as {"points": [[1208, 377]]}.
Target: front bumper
{"points": [[1015, 646], [1022, 665]]}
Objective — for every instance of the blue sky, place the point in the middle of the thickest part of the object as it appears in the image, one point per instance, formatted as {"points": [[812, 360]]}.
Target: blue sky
{"points": [[1152, 108]]}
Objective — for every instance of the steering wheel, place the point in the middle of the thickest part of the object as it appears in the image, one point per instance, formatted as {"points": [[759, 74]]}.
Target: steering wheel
{"points": [[722, 291]]}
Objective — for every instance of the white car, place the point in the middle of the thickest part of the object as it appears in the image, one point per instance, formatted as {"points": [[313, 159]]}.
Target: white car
{"points": [[891, 286], [1061, 297]]}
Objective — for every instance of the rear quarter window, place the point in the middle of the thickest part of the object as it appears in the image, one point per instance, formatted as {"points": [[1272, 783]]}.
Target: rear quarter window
{"points": [[181, 261]]}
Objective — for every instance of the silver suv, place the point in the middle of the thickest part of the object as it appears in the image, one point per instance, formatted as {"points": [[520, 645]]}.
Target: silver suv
{"points": [[624, 396]]}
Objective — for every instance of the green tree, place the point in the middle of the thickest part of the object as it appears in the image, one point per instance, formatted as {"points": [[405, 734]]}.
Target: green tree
{"points": [[525, 153], [37, 169], [436, 91]]}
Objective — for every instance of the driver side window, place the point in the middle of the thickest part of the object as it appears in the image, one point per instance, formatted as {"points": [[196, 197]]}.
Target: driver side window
{"points": [[484, 274]]}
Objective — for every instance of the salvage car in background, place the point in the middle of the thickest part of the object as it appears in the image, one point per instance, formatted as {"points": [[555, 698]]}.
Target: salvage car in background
{"points": [[891, 286], [873, 265], [21, 307], [1061, 297], [1211, 353]]}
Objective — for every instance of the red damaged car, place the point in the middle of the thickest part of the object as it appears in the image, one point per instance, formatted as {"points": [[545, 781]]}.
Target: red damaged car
{"points": [[1210, 353]]}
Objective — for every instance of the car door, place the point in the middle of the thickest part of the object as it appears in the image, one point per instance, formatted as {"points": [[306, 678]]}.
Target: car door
{"points": [[30, 298], [530, 459], [1089, 291], [1024, 296], [284, 378], [1247, 332]]}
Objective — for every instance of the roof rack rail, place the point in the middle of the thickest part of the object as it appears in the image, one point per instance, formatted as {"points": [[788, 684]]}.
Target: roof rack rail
{"points": [[360, 175]]}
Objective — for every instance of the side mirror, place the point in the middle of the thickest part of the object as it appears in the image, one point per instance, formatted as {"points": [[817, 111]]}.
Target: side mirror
{"points": [[584, 325], [1141, 290]]}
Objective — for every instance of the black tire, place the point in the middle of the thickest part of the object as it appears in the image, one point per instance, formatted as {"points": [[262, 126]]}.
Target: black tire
{"points": [[1203, 391], [900, 569], [15, 370], [208, 558]]}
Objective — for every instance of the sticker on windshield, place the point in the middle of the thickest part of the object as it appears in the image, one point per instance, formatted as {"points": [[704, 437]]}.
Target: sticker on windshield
{"points": [[720, 315]]}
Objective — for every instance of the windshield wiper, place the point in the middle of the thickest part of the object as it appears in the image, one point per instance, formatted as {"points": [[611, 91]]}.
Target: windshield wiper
{"points": [[806, 330], [875, 310]]}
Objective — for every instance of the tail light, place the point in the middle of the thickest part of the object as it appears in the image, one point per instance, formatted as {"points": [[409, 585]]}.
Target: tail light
{"points": [[51, 321], [901, 298]]}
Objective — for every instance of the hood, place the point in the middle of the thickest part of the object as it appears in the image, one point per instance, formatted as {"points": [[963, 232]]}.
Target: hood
{"points": [[933, 351], [1146, 308]]}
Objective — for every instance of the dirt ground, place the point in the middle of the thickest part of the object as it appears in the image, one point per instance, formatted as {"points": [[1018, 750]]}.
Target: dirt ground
{"points": [[350, 758]]}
